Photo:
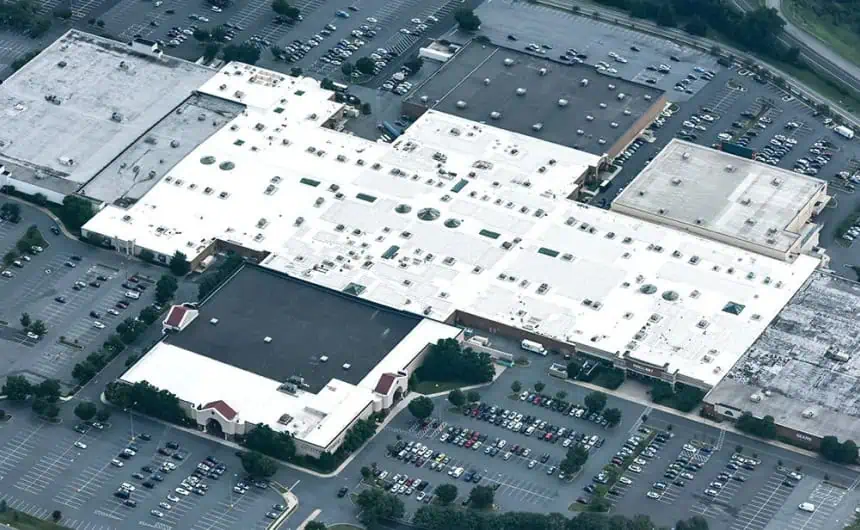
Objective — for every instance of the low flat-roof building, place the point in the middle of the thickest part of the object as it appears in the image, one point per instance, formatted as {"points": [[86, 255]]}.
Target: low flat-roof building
{"points": [[567, 104], [724, 197], [460, 222], [804, 370], [74, 107], [270, 349]]}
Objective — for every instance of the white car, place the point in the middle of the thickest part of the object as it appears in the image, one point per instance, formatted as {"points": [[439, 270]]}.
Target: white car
{"points": [[807, 507], [216, 9], [98, 325], [184, 492], [371, 20], [624, 480], [31, 335], [126, 486], [80, 445], [236, 489], [172, 498], [8, 274], [203, 19], [652, 495], [163, 505], [113, 311], [116, 462], [711, 493], [157, 513], [634, 468], [420, 496], [690, 449], [416, 21], [640, 461]]}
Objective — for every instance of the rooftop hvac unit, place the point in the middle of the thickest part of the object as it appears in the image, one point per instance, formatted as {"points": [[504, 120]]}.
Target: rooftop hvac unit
{"points": [[461, 104], [730, 168], [808, 413], [542, 71], [347, 366], [213, 321], [424, 99], [521, 91], [562, 102], [495, 115], [537, 126], [486, 81], [755, 398], [685, 156], [324, 359], [676, 181], [267, 340], [508, 62]]}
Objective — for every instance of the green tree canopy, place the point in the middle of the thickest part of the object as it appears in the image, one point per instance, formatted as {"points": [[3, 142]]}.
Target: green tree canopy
{"points": [[481, 497], [365, 65], [595, 401], [377, 505], [467, 19], [613, 416], [76, 211], [258, 465], [17, 388], [243, 53], [446, 361], [421, 407], [446, 493], [179, 264], [456, 397], [85, 410]]}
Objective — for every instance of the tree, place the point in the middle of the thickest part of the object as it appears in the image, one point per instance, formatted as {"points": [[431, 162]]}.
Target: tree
{"points": [[315, 525], [76, 211], [103, 415], [218, 33], [612, 416], [165, 288], [146, 255], [179, 264], [560, 395], [26, 321], [421, 407], [366, 473], [85, 410], [365, 108], [11, 211], [516, 387], [472, 396], [467, 19], [447, 361], [17, 388], [481, 497], [697, 522], [446, 493], [281, 7], [456, 397], [244, 53], [346, 68], [278, 445], [414, 64], [56, 515], [539, 386], [201, 35], [38, 327], [210, 51], [697, 27], [100, 23], [148, 315], [9, 257], [365, 65], [258, 465], [377, 505], [573, 369], [595, 401], [49, 389], [576, 457]]}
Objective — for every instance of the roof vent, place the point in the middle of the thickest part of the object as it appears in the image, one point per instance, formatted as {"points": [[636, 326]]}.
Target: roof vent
{"points": [[685, 156], [562, 102], [486, 81], [746, 201], [346, 366], [730, 168], [267, 340], [699, 220], [808, 413], [521, 91], [776, 181], [324, 359], [213, 321], [750, 221], [755, 398], [542, 71], [495, 115], [461, 104], [508, 62], [676, 181]]}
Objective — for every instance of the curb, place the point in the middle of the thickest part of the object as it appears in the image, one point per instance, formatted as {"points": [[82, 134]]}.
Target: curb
{"points": [[47, 212], [292, 503]]}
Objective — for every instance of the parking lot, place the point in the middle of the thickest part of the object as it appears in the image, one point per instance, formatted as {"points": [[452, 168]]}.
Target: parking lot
{"points": [[66, 286], [42, 469]]}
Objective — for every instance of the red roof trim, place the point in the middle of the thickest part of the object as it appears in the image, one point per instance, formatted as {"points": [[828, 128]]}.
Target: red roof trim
{"points": [[176, 315], [384, 384], [223, 408]]}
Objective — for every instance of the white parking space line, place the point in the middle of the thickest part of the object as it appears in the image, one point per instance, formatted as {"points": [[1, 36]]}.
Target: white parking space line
{"points": [[17, 449]]}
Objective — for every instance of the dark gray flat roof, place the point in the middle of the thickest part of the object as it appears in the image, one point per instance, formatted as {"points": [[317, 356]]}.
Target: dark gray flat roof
{"points": [[463, 79], [304, 321]]}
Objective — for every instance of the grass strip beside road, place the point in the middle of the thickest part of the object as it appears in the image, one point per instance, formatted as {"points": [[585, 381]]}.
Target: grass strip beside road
{"points": [[23, 521], [841, 39], [433, 387]]}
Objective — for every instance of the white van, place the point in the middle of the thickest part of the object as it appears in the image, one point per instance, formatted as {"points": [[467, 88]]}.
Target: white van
{"points": [[807, 507], [533, 346], [134, 295]]}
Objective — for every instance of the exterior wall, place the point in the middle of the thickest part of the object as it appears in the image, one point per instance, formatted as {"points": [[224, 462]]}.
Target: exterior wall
{"points": [[796, 437], [305, 448], [631, 366], [638, 126], [31, 189]]}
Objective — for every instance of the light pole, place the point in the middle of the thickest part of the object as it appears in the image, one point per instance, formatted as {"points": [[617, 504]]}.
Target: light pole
{"points": [[131, 418]]}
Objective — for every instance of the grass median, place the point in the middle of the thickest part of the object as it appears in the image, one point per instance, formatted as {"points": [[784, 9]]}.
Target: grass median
{"points": [[23, 521]]}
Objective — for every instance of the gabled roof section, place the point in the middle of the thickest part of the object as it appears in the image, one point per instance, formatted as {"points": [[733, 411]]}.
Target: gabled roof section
{"points": [[179, 317], [223, 408], [386, 380]]}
